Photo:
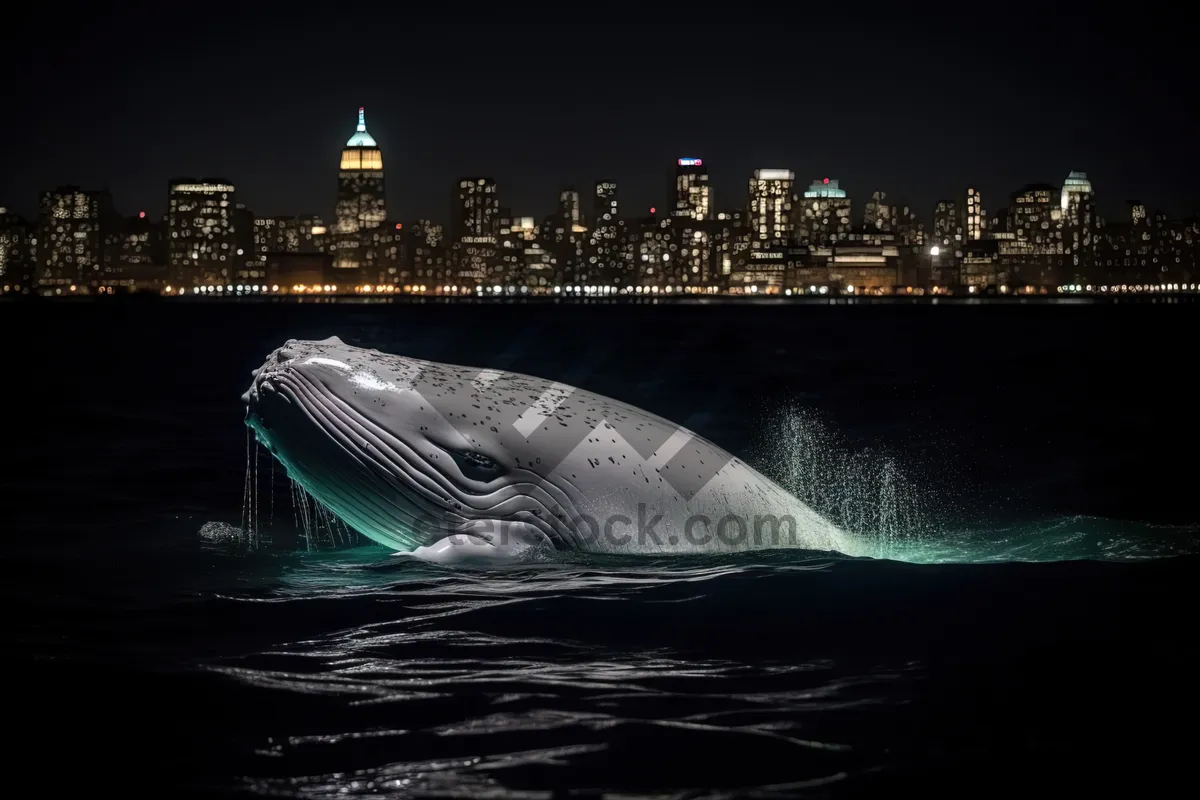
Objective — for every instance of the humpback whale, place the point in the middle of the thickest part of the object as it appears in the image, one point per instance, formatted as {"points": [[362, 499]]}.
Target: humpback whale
{"points": [[457, 464]]}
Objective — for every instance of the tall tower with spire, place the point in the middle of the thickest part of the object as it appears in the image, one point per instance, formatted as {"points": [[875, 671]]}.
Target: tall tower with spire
{"points": [[361, 207]]}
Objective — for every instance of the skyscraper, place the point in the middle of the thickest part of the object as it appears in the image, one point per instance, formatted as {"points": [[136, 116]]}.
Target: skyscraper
{"points": [[201, 232], [567, 240], [361, 206], [605, 234], [1037, 219], [1079, 219], [693, 192], [570, 212], [138, 246], [975, 215], [947, 226], [823, 216], [476, 219], [771, 206], [71, 236], [1077, 183], [878, 213], [477, 211]]}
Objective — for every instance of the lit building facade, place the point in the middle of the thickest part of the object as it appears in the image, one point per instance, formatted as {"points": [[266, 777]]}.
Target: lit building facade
{"points": [[387, 262], [138, 251], [1079, 218], [361, 200], [771, 206], [567, 240], [823, 214], [426, 260], [70, 241], [570, 211], [1037, 216], [245, 260], [201, 230], [877, 213], [604, 236], [909, 229], [476, 216], [691, 263], [477, 211], [762, 270], [693, 192], [975, 215], [867, 264], [1076, 184], [731, 243], [948, 230], [303, 234], [1036, 221], [650, 239], [17, 237]]}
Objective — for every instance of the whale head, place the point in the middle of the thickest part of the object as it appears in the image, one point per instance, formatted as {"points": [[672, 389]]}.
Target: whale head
{"points": [[401, 449]]}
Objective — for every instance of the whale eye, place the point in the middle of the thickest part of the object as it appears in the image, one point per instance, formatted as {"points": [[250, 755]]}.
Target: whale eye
{"points": [[476, 465]]}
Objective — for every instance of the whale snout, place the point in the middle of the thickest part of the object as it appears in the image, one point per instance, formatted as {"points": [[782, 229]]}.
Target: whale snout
{"points": [[281, 361]]}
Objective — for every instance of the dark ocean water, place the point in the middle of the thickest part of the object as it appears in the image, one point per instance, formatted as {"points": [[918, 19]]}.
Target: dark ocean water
{"points": [[1028, 472]]}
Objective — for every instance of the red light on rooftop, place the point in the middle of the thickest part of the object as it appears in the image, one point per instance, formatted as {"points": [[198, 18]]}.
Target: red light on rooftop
{"points": [[651, 209], [827, 180], [399, 225], [141, 215]]}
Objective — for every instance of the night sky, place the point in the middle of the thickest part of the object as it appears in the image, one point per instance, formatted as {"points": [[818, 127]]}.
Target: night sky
{"points": [[266, 96]]}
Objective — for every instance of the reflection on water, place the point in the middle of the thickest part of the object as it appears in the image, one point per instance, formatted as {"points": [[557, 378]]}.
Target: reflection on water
{"points": [[519, 675], [643, 675]]}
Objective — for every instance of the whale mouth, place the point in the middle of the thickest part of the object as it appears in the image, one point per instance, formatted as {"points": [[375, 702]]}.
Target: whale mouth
{"points": [[368, 477]]}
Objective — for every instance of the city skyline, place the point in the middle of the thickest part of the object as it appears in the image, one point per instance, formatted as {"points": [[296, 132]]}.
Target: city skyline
{"points": [[918, 110], [716, 201]]}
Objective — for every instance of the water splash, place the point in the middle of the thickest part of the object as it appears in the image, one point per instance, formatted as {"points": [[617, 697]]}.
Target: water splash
{"points": [[864, 492], [909, 513]]}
